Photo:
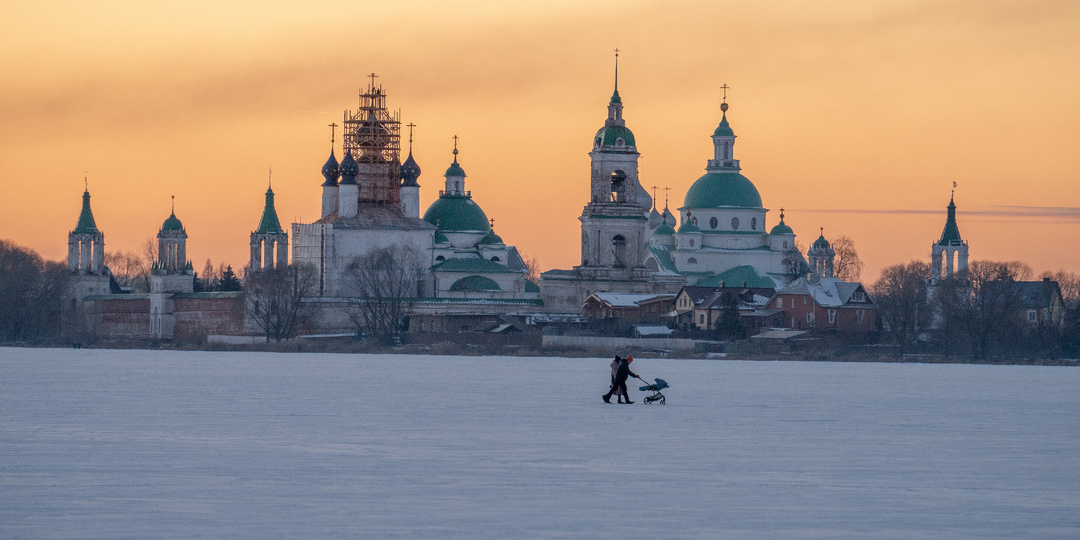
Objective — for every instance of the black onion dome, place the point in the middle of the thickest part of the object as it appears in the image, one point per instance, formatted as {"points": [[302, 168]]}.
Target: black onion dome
{"points": [[349, 169], [330, 170], [410, 171]]}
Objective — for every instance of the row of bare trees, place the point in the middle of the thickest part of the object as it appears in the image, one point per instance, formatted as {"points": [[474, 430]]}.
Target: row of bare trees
{"points": [[31, 295], [976, 312]]}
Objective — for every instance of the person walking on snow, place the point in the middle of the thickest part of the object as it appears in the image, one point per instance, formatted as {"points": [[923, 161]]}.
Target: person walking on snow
{"points": [[619, 384], [619, 392]]}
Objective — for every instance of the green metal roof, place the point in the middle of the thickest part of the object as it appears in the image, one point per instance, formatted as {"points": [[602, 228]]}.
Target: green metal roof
{"points": [[723, 130], [475, 283], [441, 238], [735, 277], [821, 243], [607, 136], [86, 223], [269, 223], [722, 189], [454, 213], [531, 287], [615, 97], [471, 265]]}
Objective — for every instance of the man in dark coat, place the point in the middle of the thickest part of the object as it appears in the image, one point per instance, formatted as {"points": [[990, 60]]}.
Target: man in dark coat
{"points": [[619, 384]]}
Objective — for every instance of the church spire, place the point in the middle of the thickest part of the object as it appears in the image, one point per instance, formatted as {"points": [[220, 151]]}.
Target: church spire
{"points": [[615, 106], [950, 235], [86, 224], [723, 141]]}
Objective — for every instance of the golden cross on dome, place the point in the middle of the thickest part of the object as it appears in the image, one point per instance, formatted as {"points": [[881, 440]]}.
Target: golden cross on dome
{"points": [[333, 127]]}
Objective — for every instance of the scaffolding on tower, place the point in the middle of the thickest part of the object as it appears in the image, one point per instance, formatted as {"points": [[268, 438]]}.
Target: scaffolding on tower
{"points": [[373, 135]]}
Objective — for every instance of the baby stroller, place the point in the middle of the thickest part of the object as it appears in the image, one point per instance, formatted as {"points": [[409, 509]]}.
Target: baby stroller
{"points": [[655, 389]]}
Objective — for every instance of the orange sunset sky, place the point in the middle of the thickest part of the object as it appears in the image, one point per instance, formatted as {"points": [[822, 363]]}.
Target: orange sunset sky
{"points": [[853, 116]]}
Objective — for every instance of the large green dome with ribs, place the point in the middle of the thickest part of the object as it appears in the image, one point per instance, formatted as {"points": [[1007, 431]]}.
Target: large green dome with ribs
{"points": [[457, 213], [722, 189]]}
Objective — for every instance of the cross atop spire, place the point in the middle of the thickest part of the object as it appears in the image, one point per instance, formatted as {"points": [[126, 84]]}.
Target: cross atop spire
{"points": [[455, 148], [411, 126], [781, 214], [724, 105], [333, 127], [173, 209], [616, 70]]}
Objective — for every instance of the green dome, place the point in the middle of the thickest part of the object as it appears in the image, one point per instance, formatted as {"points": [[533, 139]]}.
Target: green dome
{"points": [[723, 130], [720, 189], [453, 213], [172, 224], [689, 227], [821, 243], [781, 228], [455, 170], [491, 239], [441, 238], [609, 134], [475, 283], [663, 229]]}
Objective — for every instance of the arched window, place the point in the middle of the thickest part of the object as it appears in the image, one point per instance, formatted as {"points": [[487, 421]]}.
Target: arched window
{"points": [[494, 259], [785, 244], [713, 222], [734, 223], [753, 223], [440, 258], [691, 260], [618, 250]]}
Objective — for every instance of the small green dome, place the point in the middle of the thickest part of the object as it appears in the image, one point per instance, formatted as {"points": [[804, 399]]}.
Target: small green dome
{"points": [[821, 243], [722, 189], [491, 239], [781, 228], [663, 229], [172, 224], [455, 170], [475, 283], [689, 227], [441, 238], [454, 213], [723, 130], [608, 135]]}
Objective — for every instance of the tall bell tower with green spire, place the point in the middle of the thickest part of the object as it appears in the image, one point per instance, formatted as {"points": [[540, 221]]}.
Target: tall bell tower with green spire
{"points": [[614, 225]]}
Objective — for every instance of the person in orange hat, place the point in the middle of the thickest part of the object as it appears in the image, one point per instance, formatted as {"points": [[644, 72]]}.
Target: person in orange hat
{"points": [[619, 384]]}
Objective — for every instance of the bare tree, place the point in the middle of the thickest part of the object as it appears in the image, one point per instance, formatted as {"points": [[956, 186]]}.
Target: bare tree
{"points": [[979, 306], [127, 268], [795, 265], [1069, 283], [31, 294], [847, 265], [532, 264], [901, 296], [275, 299], [384, 280]]}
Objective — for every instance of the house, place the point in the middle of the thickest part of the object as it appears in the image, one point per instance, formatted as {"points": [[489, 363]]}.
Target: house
{"points": [[702, 307], [1040, 302], [637, 307], [825, 304]]}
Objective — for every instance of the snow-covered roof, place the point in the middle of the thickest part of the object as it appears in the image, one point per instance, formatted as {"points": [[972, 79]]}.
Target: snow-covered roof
{"points": [[626, 299], [828, 292]]}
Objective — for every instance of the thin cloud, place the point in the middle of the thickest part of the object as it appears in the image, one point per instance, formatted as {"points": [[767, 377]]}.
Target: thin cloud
{"points": [[1057, 212]]}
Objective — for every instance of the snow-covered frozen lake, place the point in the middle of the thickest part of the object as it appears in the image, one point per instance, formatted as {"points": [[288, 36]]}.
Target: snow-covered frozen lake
{"points": [[143, 444]]}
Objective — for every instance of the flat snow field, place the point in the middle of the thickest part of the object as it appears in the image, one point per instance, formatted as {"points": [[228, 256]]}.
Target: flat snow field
{"points": [[160, 444]]}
